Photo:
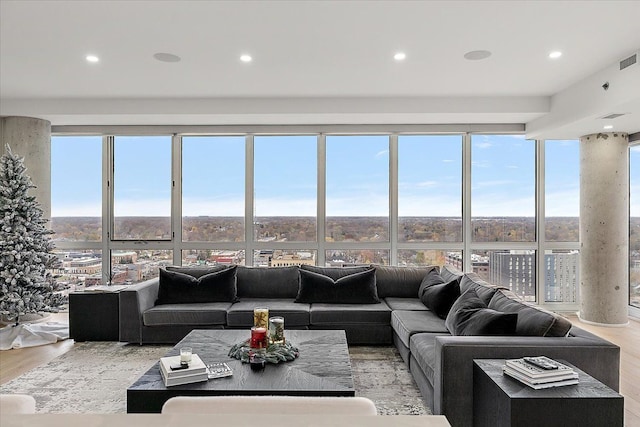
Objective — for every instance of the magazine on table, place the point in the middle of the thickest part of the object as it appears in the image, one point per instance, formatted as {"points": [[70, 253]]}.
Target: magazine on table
{"points": [[540, 372], [532, 371]]}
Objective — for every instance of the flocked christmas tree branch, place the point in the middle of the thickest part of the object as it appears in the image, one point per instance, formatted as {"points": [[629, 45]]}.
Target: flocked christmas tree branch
{"points": [[26, 258]]}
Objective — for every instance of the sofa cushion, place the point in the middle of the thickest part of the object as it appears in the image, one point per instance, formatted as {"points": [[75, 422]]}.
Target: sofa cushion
{"points": [[433, 277], [198, 314], [470, 316], [402, 282], [532, 320], [405, 304], [272, 282], [196, 272], [448, 273], [423, 349], [176, 287], [335, 272], [340, 314], [439, 298], [295, 314], [356, 288], [406, 323], [485, 290]]}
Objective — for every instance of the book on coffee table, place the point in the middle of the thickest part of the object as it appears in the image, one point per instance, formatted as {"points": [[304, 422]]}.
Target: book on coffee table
{"points": [[196, 371]]}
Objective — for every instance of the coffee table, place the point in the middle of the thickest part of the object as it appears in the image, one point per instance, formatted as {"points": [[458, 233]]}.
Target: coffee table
{"points": [[322, 369]]}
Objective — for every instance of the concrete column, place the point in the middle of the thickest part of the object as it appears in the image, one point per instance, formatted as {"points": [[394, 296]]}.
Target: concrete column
{"points": [[30, 138], [604, 228]]}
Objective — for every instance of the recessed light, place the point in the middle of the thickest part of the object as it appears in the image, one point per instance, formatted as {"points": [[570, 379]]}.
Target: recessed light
{"points": [[400, 56], [246, 58], [476, 55], [555, 54], [166, 57], [92, 58], [608, 127]]}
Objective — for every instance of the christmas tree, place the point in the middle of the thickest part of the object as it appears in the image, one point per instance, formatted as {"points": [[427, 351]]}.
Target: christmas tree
{"points": [[26, 258]]}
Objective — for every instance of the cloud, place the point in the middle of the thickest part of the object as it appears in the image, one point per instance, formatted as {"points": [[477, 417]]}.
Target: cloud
{"points": [[482, 164], [382, 153], [483, 145], [427, 184], [447, 161], [513, 167], [495, 183]]}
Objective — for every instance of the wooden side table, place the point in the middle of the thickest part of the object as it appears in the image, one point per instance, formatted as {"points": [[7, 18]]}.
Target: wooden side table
{"points": [[94, 316], [501, 401]]}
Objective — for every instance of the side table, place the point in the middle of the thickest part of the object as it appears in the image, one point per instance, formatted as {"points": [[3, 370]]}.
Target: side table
{"points": [[501, 401], [94, 315]]}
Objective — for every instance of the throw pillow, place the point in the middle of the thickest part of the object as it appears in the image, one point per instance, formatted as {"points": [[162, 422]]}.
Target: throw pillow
{"points": [[440, 298], [357, 288], [336, 272], [433, 277], [470, 316], [181, 288], [196, 272]]}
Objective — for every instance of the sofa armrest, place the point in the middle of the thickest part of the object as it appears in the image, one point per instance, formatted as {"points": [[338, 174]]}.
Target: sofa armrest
{"points": [[134, 301], [453, 373]]}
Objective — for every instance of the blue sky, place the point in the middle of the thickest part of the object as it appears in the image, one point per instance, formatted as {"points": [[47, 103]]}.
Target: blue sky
{"points": [[503, 169]]}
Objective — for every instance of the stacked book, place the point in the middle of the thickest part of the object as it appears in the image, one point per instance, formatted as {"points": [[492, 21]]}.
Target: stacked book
{"points": [[540, 372], [173, 373]]}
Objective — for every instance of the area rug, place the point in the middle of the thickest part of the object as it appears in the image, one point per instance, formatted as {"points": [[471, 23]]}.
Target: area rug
{"points": [[93, 377]]}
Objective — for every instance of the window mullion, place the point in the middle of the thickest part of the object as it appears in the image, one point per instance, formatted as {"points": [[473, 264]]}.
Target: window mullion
{"points": [[466, 201], [176, 198], [248, 201], [393, 198], [107, 206], [321, 219]]}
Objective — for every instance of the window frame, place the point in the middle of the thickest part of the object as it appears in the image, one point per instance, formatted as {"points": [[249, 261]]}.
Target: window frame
{"points": [[466, 247]]}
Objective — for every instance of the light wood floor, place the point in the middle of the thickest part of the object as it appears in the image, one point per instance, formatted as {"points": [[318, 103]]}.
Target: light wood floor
{"points": [[14, 363]]}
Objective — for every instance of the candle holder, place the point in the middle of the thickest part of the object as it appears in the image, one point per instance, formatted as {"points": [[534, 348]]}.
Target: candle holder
{"points": [[256, 361], [276, 330], [261, 317], [258, 338]]}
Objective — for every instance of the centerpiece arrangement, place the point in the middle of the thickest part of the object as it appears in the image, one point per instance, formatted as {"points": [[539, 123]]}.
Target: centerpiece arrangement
{"points": [[267, 343]]}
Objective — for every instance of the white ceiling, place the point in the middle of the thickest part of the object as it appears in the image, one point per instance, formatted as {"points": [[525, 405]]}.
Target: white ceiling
{"points": [[321, 62]]}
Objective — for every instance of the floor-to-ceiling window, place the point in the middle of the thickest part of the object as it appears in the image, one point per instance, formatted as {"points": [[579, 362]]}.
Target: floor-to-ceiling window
{"points": [[285, 200], [213, 199], [469, 200], [357, 199], [430, 200], [503, 211], [142, 185], [634, 226], [561, 260], [76, 208]]}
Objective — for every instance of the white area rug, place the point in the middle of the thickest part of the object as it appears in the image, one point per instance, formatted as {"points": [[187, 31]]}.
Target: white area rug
{"points": [[93, 377]]}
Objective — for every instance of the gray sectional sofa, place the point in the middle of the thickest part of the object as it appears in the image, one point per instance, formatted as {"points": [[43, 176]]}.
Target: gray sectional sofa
{"points": [[392, 310]]}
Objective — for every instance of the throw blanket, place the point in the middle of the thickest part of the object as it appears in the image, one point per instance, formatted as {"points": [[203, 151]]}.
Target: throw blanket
{"points": [[31, 335]]}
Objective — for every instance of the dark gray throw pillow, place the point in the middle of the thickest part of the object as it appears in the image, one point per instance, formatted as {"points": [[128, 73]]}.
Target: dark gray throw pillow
{"points": [[439, 298], [196, 272], [336, 272], [470, 316], [432, 278], [356, 288], [181, 288]]}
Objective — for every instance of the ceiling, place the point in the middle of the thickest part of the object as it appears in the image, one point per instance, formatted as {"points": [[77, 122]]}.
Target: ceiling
{"points": [[327, 62]]}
